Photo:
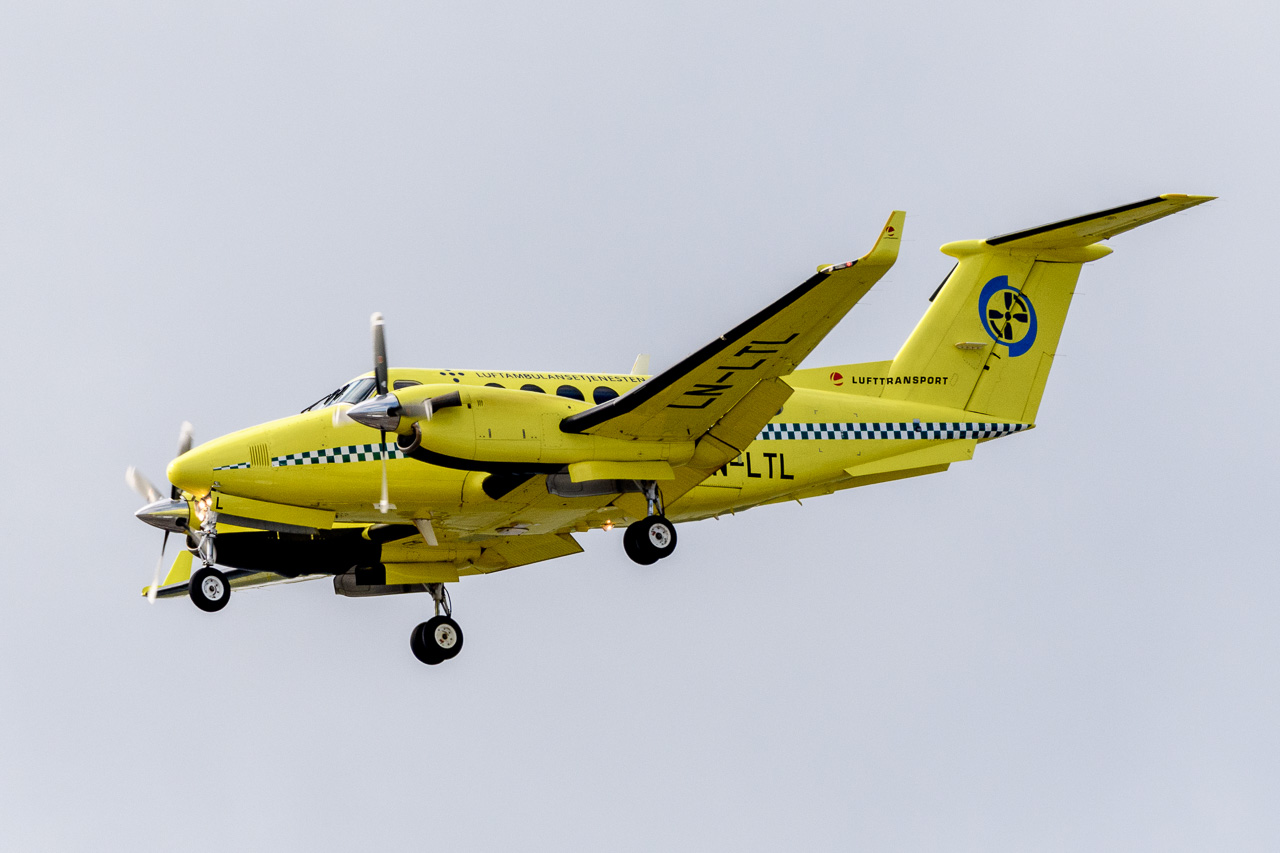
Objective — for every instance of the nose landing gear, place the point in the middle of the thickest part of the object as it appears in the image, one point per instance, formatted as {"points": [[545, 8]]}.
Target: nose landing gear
{"points": [[439, 638], [209, 590], [208, 587]]}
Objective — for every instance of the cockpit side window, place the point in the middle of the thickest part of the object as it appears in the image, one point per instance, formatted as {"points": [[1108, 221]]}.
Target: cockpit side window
{"points": [[357, 390], [352, 392]]}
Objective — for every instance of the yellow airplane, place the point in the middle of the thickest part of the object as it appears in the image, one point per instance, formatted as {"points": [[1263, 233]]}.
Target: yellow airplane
{"points": [[404, 480]]}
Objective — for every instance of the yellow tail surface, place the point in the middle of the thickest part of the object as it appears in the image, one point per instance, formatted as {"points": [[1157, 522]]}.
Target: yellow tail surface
{"points": [[987, 342]]}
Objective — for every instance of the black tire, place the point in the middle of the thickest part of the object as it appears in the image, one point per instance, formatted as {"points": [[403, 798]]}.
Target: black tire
{"points": [[650, 540], [209, 590], [420, 651], [637, 547], [436, 640]]}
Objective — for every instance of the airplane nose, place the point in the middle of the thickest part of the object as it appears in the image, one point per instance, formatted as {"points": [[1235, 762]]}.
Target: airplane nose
{"points": [[192, 471]]}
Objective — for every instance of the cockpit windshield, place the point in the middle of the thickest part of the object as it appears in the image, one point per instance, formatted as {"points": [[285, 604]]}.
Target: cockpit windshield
{"points": [[353, 392]]}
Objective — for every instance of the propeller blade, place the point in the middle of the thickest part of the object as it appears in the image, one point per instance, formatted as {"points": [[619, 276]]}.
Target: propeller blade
{"points": [[155, 579], [422, 410], [385, 504], [141, 485], [185, 435], [379, 354]]}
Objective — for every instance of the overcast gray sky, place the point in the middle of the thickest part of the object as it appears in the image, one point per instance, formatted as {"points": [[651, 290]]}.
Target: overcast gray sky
{"points": [[1069, 643]]}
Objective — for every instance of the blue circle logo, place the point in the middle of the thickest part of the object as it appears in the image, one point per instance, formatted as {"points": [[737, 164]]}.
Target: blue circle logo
{"points": [[1007, 315]]}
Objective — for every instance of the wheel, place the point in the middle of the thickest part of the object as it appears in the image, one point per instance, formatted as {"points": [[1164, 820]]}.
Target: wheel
{"points": [[635, 546], [650, 540], [436, 640], [209, 589], [420, 651]]}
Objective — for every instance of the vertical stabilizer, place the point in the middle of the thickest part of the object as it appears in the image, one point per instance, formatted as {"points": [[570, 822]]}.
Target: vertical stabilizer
{"points": [[987, 342]]}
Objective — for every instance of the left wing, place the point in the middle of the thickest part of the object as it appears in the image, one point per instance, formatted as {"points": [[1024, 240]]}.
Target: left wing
{"points": [[178, 581], [685, 401]]}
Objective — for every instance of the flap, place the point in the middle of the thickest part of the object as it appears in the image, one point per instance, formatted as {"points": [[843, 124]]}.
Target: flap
{"points": [[596, 469]]}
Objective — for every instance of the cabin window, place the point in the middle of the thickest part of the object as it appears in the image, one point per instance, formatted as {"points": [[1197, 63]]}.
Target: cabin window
{"points": [[493, 385], [404, 383], [603, 394], [534, 388], [570, 392]]}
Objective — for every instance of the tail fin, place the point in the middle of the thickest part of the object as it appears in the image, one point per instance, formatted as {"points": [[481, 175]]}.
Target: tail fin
{"points": [[988, 340]]}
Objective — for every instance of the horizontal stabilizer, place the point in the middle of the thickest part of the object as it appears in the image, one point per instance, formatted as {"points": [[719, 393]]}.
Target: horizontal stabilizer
{"points": [[1085, 230]]}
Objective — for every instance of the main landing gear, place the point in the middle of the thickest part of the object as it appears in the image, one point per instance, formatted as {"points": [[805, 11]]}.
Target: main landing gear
{"points": [[439, 638], [653, 538], [208, 588]]}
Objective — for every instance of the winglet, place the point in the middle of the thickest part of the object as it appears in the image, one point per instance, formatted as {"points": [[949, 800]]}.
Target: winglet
{"points": [[885, 251]]}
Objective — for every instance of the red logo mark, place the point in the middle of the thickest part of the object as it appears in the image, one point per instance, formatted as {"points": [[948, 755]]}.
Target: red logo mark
{"points": [[837, 379]]}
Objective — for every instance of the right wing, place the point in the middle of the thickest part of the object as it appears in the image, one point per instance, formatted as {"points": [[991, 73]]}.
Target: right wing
{"points": [[685, 401], [724, 394]]}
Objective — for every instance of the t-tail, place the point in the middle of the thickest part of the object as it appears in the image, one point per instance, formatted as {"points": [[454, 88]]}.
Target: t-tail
{"points": [[987, 342]]}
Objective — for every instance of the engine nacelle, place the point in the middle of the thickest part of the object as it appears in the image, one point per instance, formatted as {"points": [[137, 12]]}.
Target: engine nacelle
{"points": [[484, 428]]}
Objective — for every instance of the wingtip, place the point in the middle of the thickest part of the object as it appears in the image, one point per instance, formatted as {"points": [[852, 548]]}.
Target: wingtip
{"points": [[886, 248], [1186, 199]]}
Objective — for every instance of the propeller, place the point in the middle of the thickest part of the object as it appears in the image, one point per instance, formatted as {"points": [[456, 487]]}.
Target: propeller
{"points": [[141, 485], [384, 411], [381, 389], [167, 515]]}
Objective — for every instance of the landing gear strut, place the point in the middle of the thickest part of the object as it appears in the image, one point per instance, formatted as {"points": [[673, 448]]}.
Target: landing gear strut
{"points": [[649, 540], [208, 587], [439, 638]]}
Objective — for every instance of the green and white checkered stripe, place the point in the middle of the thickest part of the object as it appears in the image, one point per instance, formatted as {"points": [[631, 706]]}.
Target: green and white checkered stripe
{"points": [[234, 467], [931, 431], [350, 453]]}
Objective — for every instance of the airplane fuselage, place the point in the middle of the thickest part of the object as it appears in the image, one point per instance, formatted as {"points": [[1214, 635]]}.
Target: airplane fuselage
{"points": [[821, 441]]}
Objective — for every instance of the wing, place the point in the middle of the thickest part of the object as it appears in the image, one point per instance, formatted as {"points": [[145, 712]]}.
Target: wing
{"points": [[724, 394], [687, 400], [178, 581]]}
